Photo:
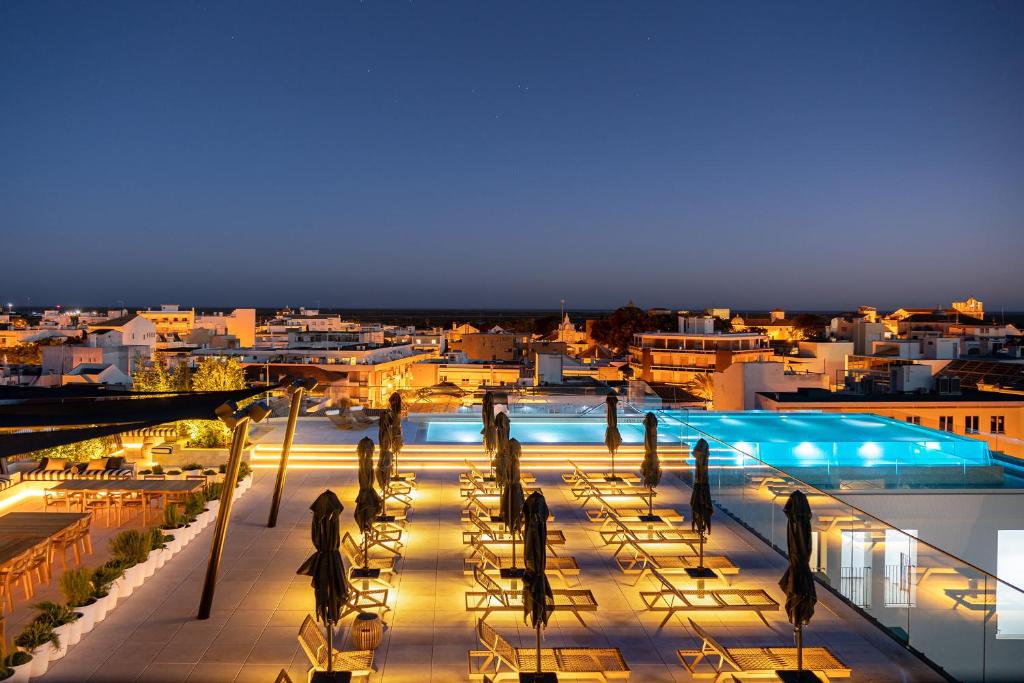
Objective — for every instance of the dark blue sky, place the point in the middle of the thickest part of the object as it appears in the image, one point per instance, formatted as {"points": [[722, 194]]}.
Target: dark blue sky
{"points": [[807, 155]]}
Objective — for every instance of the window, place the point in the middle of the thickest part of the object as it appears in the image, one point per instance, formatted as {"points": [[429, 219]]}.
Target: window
{"points": [[970, 424], [855, 567], [997, 424], [900, 563], [946, 423], [1010, 568], [914, 419]]}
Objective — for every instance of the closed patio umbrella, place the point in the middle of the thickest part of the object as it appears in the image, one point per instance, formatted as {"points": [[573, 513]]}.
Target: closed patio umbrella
{"points": [[798, 581], [325, 566], [612, 438], [383, 475], [368, 502], [386, 431], [538, 600], [650, 468], [502, 430], [700, 504], [490, 437], [512, 499], [397, 439]]}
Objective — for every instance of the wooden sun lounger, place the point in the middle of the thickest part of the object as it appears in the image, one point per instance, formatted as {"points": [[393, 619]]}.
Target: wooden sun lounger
{"points": [[632, 559], [314, 644], [354, 554], [491, 562], [578, 473], [499, 661], [487, 534], [640, 498], [616, 532], [493, 598], [671, 599], [759, 662], [631, 515], [488, 507]]}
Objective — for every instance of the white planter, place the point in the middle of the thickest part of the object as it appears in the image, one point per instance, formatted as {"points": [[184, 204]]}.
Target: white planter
{"points": [[87, 621], [160, 556], [136, 574], [104, 605], [148, 567], [21, 673], [64, 635], [173, 545], [76, 630], [40, 661]]}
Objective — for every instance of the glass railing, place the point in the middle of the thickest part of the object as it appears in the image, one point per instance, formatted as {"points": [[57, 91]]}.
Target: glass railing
{"points": [[959, 617]]}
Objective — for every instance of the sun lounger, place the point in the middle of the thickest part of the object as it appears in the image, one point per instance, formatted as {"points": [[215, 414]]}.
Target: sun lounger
{"points": [[760, 662], [671, 599], [619, 534], [491, 562], [579, 473], [501, 662], [632, 515], [493, 598], [314, 644], [488, 534], [632, 559], [354, 554]]}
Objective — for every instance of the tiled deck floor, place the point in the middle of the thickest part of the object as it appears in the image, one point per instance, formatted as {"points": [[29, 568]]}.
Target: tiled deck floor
{"points": [[260, 602]]}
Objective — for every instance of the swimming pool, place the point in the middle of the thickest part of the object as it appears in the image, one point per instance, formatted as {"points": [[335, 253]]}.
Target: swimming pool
{"points": [[779, 439]]}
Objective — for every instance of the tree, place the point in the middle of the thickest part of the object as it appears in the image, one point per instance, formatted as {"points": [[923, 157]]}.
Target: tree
{"points": [[150, 376], [212, 374], [809, 326], [702, 386], [617, 330]]}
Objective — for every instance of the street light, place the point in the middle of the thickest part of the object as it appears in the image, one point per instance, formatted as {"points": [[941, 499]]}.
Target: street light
{"points": [[295, 390], [238, 420]]}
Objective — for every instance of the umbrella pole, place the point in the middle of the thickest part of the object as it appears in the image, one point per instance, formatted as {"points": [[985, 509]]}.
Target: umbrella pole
{"points": [[538, 646], [650, 504], [701, 565], [366, 549], [330, 647], [799, 648]]}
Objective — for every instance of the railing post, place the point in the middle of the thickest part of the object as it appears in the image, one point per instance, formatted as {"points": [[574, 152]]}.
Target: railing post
{"points": [[297, 390], [239, 423]]}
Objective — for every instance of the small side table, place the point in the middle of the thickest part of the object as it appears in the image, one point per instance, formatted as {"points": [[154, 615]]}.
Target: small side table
{"points": [[367, 631]]}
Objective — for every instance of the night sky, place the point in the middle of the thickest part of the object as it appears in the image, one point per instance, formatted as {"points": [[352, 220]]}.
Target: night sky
{"points": [[805, 155]]}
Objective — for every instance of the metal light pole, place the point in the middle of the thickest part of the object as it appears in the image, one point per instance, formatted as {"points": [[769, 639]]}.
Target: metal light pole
{"points": [[297, 389], [238, 421]]}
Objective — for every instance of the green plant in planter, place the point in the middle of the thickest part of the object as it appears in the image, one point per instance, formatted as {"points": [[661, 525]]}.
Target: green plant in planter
{"points": [[76, 585], [209, 472], [158, 469], [16, 658], [244, 470], [195, 503], [54, 614], [35, 635], [192, 466], [145, 472], [222, 468], [104, 576], [130, 546], [174, 472], [173, 518], [214, 490], [157, 540]]}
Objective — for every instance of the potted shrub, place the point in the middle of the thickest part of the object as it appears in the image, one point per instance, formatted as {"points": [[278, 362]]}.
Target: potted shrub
{"points": [[212, 475], [63, 620], [103, 588], [19, 664], [131, 548], [195, 507], [174, 523], [158, 543], [192, 468], [158, 468], [76, 585], [38, 640], [173, 473], [244, 475]]}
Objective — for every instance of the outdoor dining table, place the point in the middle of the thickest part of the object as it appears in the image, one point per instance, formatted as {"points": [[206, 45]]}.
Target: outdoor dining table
{"points": [[24, 532], [162, 488]]}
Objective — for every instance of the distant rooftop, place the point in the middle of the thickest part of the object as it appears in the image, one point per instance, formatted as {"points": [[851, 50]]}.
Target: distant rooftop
{"points": [[809, 395]]}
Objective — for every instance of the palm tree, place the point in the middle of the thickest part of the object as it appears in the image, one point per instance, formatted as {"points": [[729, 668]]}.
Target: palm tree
{"points": [[702, 386]]}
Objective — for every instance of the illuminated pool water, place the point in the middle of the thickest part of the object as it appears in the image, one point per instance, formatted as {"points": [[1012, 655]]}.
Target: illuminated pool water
{"points": [[794, 439]]}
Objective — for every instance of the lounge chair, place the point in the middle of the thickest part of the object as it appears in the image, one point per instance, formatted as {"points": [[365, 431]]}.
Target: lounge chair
{"points": [[487, 534], [617, 533], [491, 562], [314, 644], [579, 474], [354, 554], [494, 598], [55, 469], [632, 559], [759, 662], [632, 515], [671, 599], [500, 661]]}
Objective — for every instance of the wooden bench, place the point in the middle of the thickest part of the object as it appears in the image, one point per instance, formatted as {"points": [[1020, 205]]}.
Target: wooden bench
{"points": [[314, 644], [500, 661], [494, 598], [491, 562], [671, 599], [759, 662]]}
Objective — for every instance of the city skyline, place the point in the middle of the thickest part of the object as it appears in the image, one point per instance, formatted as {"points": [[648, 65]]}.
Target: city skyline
{"points": [[805, 156]]}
